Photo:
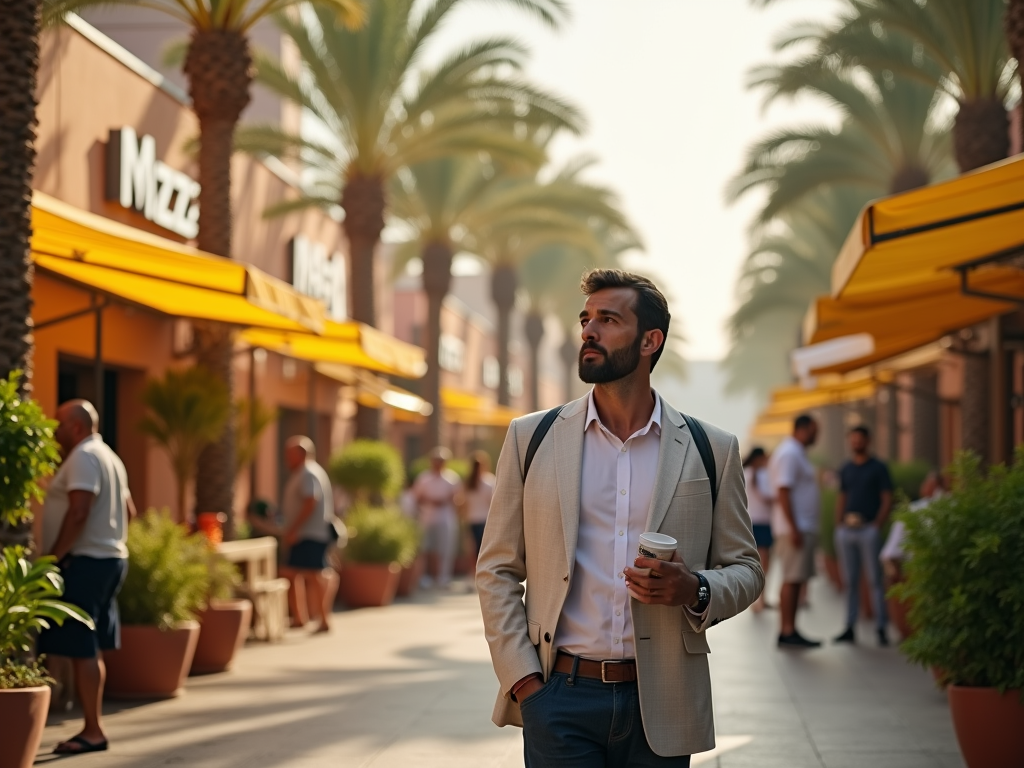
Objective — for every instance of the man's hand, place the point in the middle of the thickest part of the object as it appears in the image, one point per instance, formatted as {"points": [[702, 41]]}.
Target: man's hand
{"points": [[797, 538], [527, 687], [669, 583]]}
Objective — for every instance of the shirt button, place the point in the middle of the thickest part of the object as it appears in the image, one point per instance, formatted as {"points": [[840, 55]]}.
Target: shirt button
{"points": [[620, 574], [623, 491], [616, 641], [618, 613], [620, 533]]}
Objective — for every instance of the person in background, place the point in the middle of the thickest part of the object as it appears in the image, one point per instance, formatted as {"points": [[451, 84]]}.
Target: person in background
{"points": [[478, 495], [308, 508], [85, 526], [892, 555], [437, 491], [862, 507], [759, 505], [795, 522]]}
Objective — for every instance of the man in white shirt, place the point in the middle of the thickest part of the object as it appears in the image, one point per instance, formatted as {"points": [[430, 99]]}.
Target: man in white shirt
{"points": [[85, 526], [437, 490], [795, 522], [605, 663]]}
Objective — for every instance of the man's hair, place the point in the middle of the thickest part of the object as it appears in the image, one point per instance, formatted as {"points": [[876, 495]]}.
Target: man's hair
{"points": [[803, 421], [650, 307], [303, 442], [83, 413], [862, 430]]}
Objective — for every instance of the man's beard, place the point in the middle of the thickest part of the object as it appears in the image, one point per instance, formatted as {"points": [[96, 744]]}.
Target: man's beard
{"points": [[613, 367]]}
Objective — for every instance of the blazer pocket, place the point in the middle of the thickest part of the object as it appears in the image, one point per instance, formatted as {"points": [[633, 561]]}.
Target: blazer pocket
{"points": [[692, 488], [533, 627], [696, 642]]}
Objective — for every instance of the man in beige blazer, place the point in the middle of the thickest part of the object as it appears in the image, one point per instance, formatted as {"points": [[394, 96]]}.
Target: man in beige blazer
{"points": [[605, 663]]}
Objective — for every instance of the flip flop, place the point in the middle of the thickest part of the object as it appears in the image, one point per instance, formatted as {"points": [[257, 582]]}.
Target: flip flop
{"points": [[81, 748]]}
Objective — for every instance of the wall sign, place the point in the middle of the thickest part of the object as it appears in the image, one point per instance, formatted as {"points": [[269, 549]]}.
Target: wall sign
{"points": [[319, 276], [137, 180]]}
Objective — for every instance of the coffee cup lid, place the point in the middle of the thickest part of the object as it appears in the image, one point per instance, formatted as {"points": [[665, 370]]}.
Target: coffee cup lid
{"points": [[659, 540]]}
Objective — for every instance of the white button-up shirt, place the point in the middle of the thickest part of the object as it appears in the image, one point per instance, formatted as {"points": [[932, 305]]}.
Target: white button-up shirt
{"points": [[616, 487]]}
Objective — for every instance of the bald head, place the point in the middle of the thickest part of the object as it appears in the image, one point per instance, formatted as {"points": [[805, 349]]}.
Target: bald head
{"points": [[297, 450], [77, 420]]}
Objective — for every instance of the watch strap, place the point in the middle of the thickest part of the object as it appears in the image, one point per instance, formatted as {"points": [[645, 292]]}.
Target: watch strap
{"points": [[703, 591]]}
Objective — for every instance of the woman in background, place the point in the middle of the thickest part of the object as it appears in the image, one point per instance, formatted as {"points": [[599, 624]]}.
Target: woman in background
{"points": [[759, 505], [479, 491]]}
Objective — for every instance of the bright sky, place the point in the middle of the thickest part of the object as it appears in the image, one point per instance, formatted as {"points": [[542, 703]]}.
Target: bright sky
{"points": [[662, 84]]}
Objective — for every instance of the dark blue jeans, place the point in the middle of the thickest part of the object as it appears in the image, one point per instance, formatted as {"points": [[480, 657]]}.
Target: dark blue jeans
{"points": [[588, 724]]}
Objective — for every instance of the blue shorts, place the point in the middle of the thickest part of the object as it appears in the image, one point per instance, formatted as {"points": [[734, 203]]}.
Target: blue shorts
{"points": [[91, 584], [763, 535], [308, 555]]}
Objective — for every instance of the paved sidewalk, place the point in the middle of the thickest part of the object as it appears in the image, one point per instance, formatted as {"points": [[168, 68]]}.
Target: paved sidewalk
{"points": [[411, 686]]}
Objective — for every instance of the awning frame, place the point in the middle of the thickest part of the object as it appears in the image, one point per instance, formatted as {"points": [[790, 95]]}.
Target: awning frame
{"points": [[965, 270]]}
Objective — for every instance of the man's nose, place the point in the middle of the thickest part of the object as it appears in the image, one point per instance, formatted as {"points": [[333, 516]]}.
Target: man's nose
{"points": [[589, 331]]}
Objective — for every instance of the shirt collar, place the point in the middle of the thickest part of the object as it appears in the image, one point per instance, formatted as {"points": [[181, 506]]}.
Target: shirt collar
{"points": [[652, 423]]}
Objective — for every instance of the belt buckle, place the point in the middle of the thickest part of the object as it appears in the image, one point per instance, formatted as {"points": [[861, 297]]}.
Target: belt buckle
{"points": [[604, 664]]}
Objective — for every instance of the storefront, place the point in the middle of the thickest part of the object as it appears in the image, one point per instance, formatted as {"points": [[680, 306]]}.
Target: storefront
{"points": [[116, 209]]}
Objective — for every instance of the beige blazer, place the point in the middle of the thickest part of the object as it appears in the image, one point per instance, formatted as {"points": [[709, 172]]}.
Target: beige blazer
{"points": [[531, 537]]}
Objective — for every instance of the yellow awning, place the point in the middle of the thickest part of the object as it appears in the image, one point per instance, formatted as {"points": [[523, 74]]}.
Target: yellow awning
{"points": [[375, 391], [348, 343], [908, 241], [138, 268], [459, 407], [788, 402]]}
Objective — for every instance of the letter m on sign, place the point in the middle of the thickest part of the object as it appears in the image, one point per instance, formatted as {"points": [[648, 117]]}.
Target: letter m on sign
{"points": [[131, 180]]}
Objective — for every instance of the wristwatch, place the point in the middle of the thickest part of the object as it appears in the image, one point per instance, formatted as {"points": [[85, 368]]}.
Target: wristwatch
{"points": [[703, 593]]}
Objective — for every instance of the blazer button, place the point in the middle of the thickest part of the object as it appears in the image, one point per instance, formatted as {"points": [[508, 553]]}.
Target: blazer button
{"points": [[547, 637]]}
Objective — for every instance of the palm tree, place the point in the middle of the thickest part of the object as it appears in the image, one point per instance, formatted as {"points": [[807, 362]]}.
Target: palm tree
{"points": [[1015, 40], [218, 64], [789, 265], [382, 110], [885, 145], [19, 66]]}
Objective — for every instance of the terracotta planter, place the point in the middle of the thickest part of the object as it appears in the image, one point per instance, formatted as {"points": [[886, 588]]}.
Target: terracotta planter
{"points": [[365, 585], [23, 714], [409, 580], [899, 611], [223, 627], [151, 664], [989, 726]]}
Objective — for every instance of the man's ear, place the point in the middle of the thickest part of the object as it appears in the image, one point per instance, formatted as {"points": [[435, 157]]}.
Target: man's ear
{"points": [[652, 342]]}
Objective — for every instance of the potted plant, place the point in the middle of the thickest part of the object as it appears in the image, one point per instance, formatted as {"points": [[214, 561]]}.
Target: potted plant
{"points": [[381, 541], [186, 411], [167, 583], [964, 579], [223, 623]]}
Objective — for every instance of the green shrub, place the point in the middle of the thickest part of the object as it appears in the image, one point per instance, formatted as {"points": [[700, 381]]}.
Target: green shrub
{"points": [[28, 451], [381, 535], [965, 577], [460, 467], [368, 469], [826, 533], [28, 604], [907, 476], [168, 572]]}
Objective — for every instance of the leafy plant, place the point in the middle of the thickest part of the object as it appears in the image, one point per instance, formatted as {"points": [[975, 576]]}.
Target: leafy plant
{"points": [[224, 577], [827, 522], [965, 577], [381, 535], [168, 572], [187, 411], [253, 416], [28, 451], [28, 604], [368, 469], [907, 476]]}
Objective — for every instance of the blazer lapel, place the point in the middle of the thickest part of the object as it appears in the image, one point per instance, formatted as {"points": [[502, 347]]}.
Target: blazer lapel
{"points": [[567, 433], [675, 441]]}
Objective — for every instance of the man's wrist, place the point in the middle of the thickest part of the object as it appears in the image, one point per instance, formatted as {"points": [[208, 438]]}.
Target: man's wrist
{"points": [[519, 685]]}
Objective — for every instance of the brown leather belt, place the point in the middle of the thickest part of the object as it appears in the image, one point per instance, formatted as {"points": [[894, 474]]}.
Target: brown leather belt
{"points": [[606, 671]]}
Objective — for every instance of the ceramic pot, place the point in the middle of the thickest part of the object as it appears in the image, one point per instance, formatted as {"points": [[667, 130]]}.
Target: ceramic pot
{"points": [[151, 663], [223, 627], [365, 585], [409, 580], [989, 726], [23, 714]]}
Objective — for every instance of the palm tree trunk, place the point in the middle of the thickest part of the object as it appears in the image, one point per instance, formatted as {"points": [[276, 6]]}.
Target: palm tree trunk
{"points": [[974, 404], [504, 282], [437, 280], [363, 202], [981, 133], [19, 67], [1015, 38], [534, 335], [570, 353], [218, 65], [926, 418]]}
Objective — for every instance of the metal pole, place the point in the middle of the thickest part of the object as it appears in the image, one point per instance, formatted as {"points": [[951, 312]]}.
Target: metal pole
{"points": [[311, 403], [97, 363], [252, 418]]}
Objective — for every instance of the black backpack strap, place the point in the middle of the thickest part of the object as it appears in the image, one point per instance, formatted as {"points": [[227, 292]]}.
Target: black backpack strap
{"points": [[700, 438], [538, 437]]}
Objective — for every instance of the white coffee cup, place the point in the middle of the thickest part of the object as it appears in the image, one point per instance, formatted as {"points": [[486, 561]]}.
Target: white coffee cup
{"points": [[656, 545]]}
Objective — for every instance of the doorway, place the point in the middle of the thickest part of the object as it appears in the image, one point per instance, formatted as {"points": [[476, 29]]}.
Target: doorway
{"points": [[76, 379]]}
